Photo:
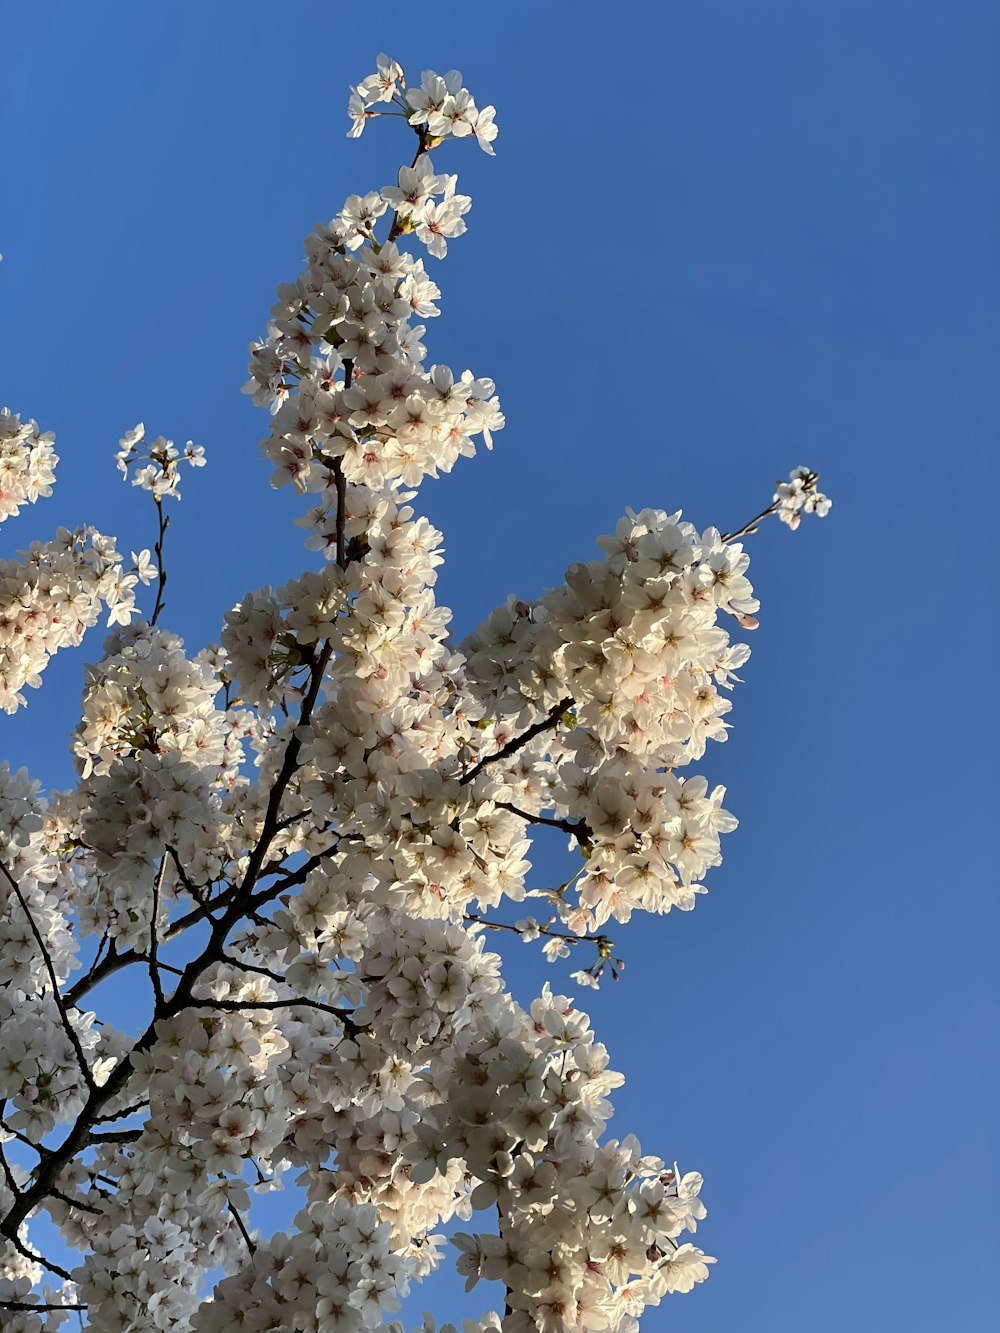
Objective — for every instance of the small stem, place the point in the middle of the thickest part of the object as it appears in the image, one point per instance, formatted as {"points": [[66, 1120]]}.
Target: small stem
{"points": [[751, 527], [230, 961], [579, 829], [239, 1222], [395, 229], [37, 1258], [542, 930], [161, 573], [75, 1203], [29, 1309], [236, 1006], [120, 1115], [39, 1148], [57, 998], [341, 484], [518, 742], [154, 972]]}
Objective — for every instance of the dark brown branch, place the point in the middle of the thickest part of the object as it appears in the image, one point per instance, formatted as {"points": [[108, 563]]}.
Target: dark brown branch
{"points": [[75, 1203], [37, 1258], [341, 483], [580, 829], [239, 1222], [24, 1306], [114, 962], [230, 961], [235, 1006], [115, 1135], [57, 998], [8, 1174], [396, 227], [47, 1172], [39, 1148], [120, 1115], [161, 573], [603, 942], [291, 879], [154, 972], [551, 719], [749, 528]]}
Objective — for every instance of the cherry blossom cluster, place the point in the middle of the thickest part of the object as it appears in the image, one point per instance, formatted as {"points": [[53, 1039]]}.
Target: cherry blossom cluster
{"points": [[161, 471], [341, 368], [631, 648], [342, 365], [441, 107], [798, 495], [298, 841], [27, 463], [52, 594]]}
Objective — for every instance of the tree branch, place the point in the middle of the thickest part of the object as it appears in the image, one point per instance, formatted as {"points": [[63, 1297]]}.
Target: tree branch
{"points": [[235, 1006], [580, 829], [161, 573], [749, 528], [154, 973], [551, 719], [75, 1203], [240, 1223], [25, 1307], [37, 1258], [77, 1139], [57, 998]]}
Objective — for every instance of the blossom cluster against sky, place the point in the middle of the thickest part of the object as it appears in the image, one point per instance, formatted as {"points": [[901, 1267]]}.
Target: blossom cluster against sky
{"points": [[714, 244]]}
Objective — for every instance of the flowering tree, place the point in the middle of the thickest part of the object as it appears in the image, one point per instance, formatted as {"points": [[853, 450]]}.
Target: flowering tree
{"points": [[299, 839]]}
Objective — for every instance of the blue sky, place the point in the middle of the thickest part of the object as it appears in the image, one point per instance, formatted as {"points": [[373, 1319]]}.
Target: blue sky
{"points": [[717, 240]]}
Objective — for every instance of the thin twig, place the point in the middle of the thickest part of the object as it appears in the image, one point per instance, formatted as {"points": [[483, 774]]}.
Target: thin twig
{"points": [[75, 1203], [230, 961], [341, 483], [154, 972], [749, 528], [71, 1033], [396, 228], [579, 829], [37, 1258], [39, 1148], [161, 573], [551, 719], [602, 940], [34, 1309], [235, 1006], [239, 1222], [120, 1115], [8, 1174]]}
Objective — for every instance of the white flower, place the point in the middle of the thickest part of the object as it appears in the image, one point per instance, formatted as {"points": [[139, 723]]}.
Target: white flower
{"points": [[484, 128], [686, 1266], [381, 86], [358, 111], [143, 566]]}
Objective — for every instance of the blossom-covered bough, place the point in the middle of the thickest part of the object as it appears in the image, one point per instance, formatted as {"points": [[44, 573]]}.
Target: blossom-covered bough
{"points": [[300, 840]]}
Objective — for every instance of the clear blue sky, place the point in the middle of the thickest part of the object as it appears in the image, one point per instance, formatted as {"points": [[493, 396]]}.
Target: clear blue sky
{"points": [[718, 240]]}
